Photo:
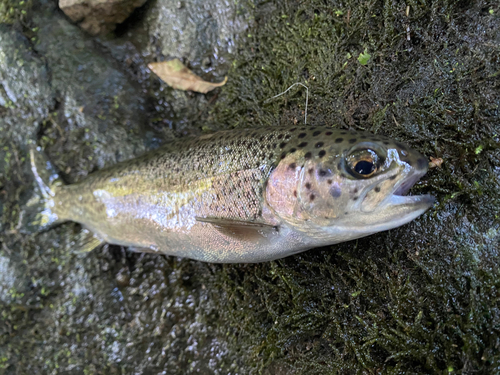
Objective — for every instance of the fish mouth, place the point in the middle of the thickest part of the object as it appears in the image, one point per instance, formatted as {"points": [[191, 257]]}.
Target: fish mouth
{"points": [[396, 210], [426, 200], [399, 196]]}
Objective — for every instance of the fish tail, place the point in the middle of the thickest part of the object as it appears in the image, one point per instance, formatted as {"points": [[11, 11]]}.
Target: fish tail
{"points": [[39, 214]]}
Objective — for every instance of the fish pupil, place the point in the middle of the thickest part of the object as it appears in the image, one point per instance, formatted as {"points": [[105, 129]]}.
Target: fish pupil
{"points": [[363, 167]]}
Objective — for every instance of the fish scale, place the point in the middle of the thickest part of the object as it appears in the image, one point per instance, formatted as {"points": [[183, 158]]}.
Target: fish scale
{"points": [[240, 195]]}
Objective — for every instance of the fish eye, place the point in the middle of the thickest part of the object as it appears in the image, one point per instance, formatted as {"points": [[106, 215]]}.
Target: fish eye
{"points": [[363, 163]]}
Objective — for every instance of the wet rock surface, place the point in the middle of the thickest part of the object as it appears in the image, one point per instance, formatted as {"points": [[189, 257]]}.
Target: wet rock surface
{"points": [[422, 298], [203, 33], [25, 93]]}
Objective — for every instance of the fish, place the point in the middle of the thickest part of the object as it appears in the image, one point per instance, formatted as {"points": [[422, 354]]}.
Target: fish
{"points": [[241, 195]]}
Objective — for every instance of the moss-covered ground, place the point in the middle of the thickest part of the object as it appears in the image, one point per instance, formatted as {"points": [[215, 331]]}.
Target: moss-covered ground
{"points": [[423, 298], [419, 299]]}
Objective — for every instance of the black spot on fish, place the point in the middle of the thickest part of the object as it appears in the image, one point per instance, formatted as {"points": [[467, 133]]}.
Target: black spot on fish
{"points": [[392, 177], [386, 143], [311, 197], [329, 181], [310, 171], [262, 138], [322, 153], [324, 172], [316, 133], [282, 144], [280, 136], [339, 140], [303, 144], [292, 129], [308, 155], [295, 193], [302, 135], [377, 189], [328, 133], [355, 190], [270, 156], [292, 150], [274, 145], [319, 144], [292, 166], [352, 140], [355, 198], [308, 185], [283, 155], [335, 191]]}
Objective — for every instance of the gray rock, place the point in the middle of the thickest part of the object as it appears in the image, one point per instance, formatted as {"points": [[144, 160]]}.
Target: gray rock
{"points": [[25, 93], [96, 101], [203, 33]]}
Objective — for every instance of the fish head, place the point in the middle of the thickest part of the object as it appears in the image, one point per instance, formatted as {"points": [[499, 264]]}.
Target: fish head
{"points": [[351, 185]]}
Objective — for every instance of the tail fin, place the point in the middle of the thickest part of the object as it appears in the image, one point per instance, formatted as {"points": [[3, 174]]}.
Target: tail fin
{"points": [[39, 214]]}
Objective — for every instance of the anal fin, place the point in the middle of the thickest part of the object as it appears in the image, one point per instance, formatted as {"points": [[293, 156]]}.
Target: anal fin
{"points": [[240, 229], [86, 241]]}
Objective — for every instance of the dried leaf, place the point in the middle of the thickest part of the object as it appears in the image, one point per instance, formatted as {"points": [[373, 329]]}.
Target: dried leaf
{"points": [[435, 162], [175, 74]]}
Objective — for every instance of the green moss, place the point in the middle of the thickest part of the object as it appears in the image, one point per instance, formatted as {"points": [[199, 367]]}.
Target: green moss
{"points": [[13, 11], [417, 299]]}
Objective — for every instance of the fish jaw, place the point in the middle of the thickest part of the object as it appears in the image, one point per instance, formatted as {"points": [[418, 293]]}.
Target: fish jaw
{"points": [[398, 208], [397, 211], [394, 211]]}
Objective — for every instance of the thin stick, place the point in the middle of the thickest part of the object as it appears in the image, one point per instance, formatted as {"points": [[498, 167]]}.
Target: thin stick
{"points": [[288, 89]]}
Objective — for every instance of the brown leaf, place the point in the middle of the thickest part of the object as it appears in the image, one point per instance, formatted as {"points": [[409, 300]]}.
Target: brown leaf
{"points": [[435, 162], [175, 74]]}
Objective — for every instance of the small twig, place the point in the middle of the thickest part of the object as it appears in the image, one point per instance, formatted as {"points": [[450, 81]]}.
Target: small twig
{"points": [[288, 89], [394, 118]]}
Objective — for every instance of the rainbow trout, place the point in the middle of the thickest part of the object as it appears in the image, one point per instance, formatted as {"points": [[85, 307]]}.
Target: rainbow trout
{"points": [[243, 195]]}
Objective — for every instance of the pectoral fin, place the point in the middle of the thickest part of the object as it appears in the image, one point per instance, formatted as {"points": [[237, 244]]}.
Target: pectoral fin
{"points": [[239, 229]]}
